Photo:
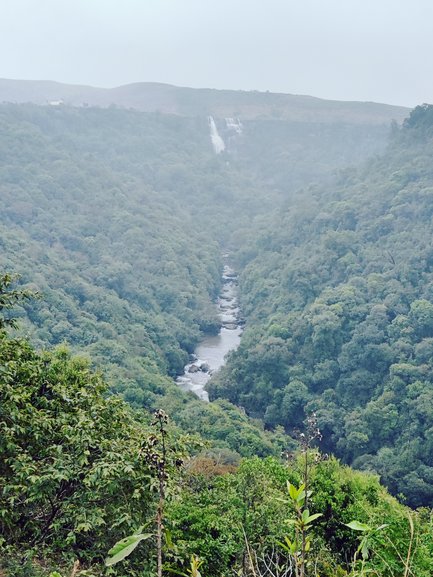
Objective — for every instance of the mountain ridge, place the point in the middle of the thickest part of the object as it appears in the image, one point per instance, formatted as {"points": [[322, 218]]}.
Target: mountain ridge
{"points": [[184, 101]]}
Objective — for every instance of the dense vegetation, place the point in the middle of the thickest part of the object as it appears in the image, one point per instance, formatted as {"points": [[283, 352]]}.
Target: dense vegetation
{"points": [[79, 470], [118, 219], [338, 297], [102, 213]]}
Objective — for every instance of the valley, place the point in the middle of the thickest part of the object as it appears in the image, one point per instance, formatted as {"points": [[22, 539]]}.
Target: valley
{"points": [[241, 261]]}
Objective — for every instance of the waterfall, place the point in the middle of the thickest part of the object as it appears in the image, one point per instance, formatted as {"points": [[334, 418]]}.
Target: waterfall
{"points": [[217, 141], [234, 125]]}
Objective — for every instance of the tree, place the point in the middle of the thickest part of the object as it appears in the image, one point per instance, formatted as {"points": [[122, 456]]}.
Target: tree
{"points": [[9, 297], [70, 463]]}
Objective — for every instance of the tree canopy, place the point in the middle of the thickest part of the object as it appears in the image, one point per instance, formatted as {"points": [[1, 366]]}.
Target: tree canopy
{"points": [[338, 299]]}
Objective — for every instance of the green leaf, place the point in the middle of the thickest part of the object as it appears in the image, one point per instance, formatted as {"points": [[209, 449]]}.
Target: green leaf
{"points": [[301, 495], [312, 518], [358, 526], [293, 492], [382, 527], [364, 550], [290, 546], [169, 540], [124, 547]]}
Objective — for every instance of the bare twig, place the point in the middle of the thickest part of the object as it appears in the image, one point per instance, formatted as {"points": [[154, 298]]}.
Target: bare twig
{"points": [[75, 568], [409, 551]]}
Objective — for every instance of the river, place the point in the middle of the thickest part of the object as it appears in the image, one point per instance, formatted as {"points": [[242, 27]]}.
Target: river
{"points": [[209, 355]]}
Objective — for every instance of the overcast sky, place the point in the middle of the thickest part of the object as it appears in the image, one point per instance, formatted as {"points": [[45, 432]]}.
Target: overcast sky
{"points": [[380, 50]]}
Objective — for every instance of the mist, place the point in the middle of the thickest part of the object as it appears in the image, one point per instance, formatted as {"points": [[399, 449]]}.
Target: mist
{"points": [[356, 50]]}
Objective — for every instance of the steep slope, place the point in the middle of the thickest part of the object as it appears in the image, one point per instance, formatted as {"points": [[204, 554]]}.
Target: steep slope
{"points": [[119, 217], [81, 221], [97, 213], [78, 470], [284, 140], [338, 296]]}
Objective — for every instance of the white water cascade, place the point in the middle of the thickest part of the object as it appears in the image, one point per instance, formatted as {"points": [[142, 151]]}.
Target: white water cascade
{"points": [[234, 125], [211, 351], [217, 141]]}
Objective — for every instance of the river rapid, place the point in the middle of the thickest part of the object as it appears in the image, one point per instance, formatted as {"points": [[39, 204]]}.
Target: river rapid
{"points": [[209, 355]]}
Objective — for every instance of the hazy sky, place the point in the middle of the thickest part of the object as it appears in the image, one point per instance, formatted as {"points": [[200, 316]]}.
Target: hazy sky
{"points": [[379, 50]]}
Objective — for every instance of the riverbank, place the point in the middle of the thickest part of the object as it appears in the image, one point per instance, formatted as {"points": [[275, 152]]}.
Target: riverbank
{"points": [[211, 351]]}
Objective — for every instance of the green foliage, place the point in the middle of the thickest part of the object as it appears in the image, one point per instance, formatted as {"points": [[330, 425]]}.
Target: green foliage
{"points": [[229, 517], [9, 298], [118, 218], [192, 570], [367, 532], [71, 469], [420, 121], [299, 546], [105, 234], [337, 293], [215, 512], [114, 217], [101, 476], [124, 548]]}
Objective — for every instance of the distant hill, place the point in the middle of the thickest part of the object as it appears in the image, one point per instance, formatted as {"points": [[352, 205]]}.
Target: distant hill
{"points": [[151, 97]]}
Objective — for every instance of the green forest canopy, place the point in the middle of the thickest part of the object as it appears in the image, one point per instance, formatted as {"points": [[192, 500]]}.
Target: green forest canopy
{"points": [[338, 297], [118, 219], [77, 473]]}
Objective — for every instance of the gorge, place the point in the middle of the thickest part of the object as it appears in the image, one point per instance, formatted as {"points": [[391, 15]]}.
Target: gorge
{"points": [[210, 353]]}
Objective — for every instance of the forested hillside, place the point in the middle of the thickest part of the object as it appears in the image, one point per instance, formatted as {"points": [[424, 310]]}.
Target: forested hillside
{"points": [[103, 214], [79, 469], [339, 306], [118, 218]]}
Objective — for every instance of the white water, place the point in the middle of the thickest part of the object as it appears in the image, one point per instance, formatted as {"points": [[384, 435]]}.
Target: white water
{"points": [[234, 124], [217, 142], [212, 349]]}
